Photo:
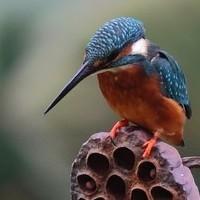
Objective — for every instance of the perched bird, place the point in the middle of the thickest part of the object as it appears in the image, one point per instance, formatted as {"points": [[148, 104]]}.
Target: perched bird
{"points": [[140, 81]]}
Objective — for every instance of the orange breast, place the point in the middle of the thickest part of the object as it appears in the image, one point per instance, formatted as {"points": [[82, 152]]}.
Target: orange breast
{"points": [[136, 96]]}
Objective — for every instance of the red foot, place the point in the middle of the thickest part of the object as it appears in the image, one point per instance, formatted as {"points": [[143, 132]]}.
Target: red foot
{"points": [[148, 147], [117, 126]]}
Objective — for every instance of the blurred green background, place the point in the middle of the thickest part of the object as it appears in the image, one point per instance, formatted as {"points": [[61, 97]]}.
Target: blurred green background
{"points": [[41, 46]]}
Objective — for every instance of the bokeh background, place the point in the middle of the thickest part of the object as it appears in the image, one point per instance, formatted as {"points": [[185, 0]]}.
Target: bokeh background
{"points": [[41, 46]]}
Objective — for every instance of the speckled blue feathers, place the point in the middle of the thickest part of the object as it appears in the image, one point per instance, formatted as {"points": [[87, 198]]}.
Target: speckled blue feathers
{"points": [[115, 34], [172, 80], [112, 36]]}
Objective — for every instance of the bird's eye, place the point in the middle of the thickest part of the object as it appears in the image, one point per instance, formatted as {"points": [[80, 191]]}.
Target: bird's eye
{"points": [[113, 55]]}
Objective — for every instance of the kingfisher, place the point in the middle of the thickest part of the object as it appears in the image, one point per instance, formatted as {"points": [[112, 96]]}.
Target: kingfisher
{"points": [[141, 82]]}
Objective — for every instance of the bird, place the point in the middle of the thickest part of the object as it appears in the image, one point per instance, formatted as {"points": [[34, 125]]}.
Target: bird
{"points": [[140, 81]]}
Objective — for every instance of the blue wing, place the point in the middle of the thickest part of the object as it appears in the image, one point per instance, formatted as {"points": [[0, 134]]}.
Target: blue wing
{"points": [[172, 80]]}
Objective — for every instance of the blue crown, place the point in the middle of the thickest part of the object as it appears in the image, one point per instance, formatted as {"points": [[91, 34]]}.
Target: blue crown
{"points": [[112, 36]]}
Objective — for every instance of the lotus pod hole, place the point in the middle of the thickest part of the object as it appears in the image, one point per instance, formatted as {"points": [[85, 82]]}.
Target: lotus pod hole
{"points": [[116, 187], [138, 194], [107, 170], [98, 163], [159, 193], [146, 171], [124, 158], [86, 183]]}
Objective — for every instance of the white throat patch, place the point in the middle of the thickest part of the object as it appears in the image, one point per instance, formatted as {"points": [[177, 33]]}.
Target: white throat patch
{"points": [[139, 47]]}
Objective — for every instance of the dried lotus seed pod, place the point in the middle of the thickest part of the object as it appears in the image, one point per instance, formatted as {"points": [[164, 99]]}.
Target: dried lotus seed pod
{"points": [[107, 170]]}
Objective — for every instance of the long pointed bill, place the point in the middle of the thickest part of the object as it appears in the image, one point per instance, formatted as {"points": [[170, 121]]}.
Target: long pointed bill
{"points": [[82, 73]]}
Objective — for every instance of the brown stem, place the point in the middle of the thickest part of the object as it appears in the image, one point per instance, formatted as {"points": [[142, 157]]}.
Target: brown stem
{"points": [[192, 161]]}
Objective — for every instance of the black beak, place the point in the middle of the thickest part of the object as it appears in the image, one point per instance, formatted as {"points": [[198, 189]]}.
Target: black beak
{"points": [[85, 70]]}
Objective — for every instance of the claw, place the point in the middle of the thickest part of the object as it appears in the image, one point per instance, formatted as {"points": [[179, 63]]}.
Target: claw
{"points": [[151, 143], [148, 147], [112, 141]]}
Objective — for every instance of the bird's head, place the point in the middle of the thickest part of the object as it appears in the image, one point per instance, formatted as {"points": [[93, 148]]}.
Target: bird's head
{"points": [[103, 49]]}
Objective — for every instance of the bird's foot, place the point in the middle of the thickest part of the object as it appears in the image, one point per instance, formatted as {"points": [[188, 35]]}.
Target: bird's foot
{"points": [[148, 147], [116, 127]]}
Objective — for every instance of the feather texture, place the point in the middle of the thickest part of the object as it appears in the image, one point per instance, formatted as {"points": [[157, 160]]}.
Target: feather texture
{"points": [[112, 36], [172, 80]]}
